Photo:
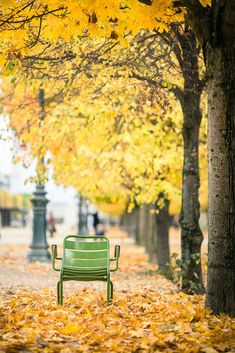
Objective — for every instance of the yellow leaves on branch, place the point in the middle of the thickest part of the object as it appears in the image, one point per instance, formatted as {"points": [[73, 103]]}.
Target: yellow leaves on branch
{"points": [[25, 26], [205, 2], [115, 142], [147, 321]]}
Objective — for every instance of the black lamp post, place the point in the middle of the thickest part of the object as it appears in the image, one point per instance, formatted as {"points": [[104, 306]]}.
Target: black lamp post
{"points": [[82, 216], [39, 246]]}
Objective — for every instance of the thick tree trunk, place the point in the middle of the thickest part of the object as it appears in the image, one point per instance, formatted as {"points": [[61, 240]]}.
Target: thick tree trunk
{"points": [[221, 153], [162, 238], [191, 234]]}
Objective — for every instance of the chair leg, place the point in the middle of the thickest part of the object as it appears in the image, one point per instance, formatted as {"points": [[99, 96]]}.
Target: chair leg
{"points": [[111, 284], [60, 292], [108, 290]]}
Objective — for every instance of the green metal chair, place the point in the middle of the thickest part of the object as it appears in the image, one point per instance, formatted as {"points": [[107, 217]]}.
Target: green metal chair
{"points": [[85, 258]]}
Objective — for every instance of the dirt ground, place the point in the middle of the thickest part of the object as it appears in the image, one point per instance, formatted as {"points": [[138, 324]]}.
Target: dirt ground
{"points": [[17, 273]]}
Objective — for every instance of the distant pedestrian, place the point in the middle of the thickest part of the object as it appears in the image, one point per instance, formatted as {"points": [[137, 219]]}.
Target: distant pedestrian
{"points": [[51, 224], [96, 221]]}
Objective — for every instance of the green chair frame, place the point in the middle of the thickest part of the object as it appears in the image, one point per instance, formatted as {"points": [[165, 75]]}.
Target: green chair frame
{"points": [[85, 260]]}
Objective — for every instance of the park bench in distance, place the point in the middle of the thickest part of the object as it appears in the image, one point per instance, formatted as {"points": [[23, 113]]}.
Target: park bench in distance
{"points": [[85, 258]]}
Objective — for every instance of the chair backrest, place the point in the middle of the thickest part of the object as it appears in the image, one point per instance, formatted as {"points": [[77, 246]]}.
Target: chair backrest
{"points": [[88, 253]]}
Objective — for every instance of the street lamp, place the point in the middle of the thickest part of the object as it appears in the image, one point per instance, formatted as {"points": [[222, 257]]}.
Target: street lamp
{"points": [[39, 246], [82, 216]]}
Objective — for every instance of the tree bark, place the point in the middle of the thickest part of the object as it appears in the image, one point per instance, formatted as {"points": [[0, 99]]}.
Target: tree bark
{"points": [[191, 235], [221, 153], [162, 238]]}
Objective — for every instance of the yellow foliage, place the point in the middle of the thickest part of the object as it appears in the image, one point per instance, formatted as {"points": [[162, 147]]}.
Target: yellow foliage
{"points": [[113, 209], [27, 25], [115, 142], [119, 141]]}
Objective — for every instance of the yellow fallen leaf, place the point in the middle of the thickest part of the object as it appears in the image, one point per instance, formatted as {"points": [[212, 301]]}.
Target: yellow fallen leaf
{"points": [[209, 350], [71, 328]]}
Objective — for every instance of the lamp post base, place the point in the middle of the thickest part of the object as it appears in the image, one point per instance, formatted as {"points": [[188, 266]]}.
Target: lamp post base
{"points": [[39, 246], [41, 255]]}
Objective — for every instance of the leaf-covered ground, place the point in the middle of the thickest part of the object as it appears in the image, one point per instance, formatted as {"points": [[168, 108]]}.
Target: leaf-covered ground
{"points": [[147, 315]]}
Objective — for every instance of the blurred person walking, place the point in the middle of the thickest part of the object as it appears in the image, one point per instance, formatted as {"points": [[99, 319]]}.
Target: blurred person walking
{"points": [[51, 224], [96, 222]]}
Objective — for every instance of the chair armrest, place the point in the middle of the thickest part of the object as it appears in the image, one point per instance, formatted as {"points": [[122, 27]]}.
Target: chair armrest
{"points": [[116, 257], [54, 257]]}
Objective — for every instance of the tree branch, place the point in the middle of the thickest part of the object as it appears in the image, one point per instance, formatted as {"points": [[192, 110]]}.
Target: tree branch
{"points": [[178, 92]]}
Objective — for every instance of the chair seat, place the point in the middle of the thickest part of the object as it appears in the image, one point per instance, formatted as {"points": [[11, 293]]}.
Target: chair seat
{"points": [[82, 273]]}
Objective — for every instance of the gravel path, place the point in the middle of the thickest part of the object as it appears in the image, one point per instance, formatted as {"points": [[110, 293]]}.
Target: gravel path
{"points": [[17, 273]]}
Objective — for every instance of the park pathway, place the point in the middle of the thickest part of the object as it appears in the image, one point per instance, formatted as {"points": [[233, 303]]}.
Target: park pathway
{"points": [[16, 272]]}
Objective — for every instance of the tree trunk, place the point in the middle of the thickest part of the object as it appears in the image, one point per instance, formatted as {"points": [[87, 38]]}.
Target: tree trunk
{"points": [[152, 230], [137, 232], [133, 223], [191, 234], [129, 221], [141, 227], [148, 231], [162, 238], [221, 153]]}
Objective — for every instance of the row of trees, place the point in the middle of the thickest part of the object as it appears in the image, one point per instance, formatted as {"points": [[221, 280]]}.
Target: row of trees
{"points": [[69, 64], [123, 132]]}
